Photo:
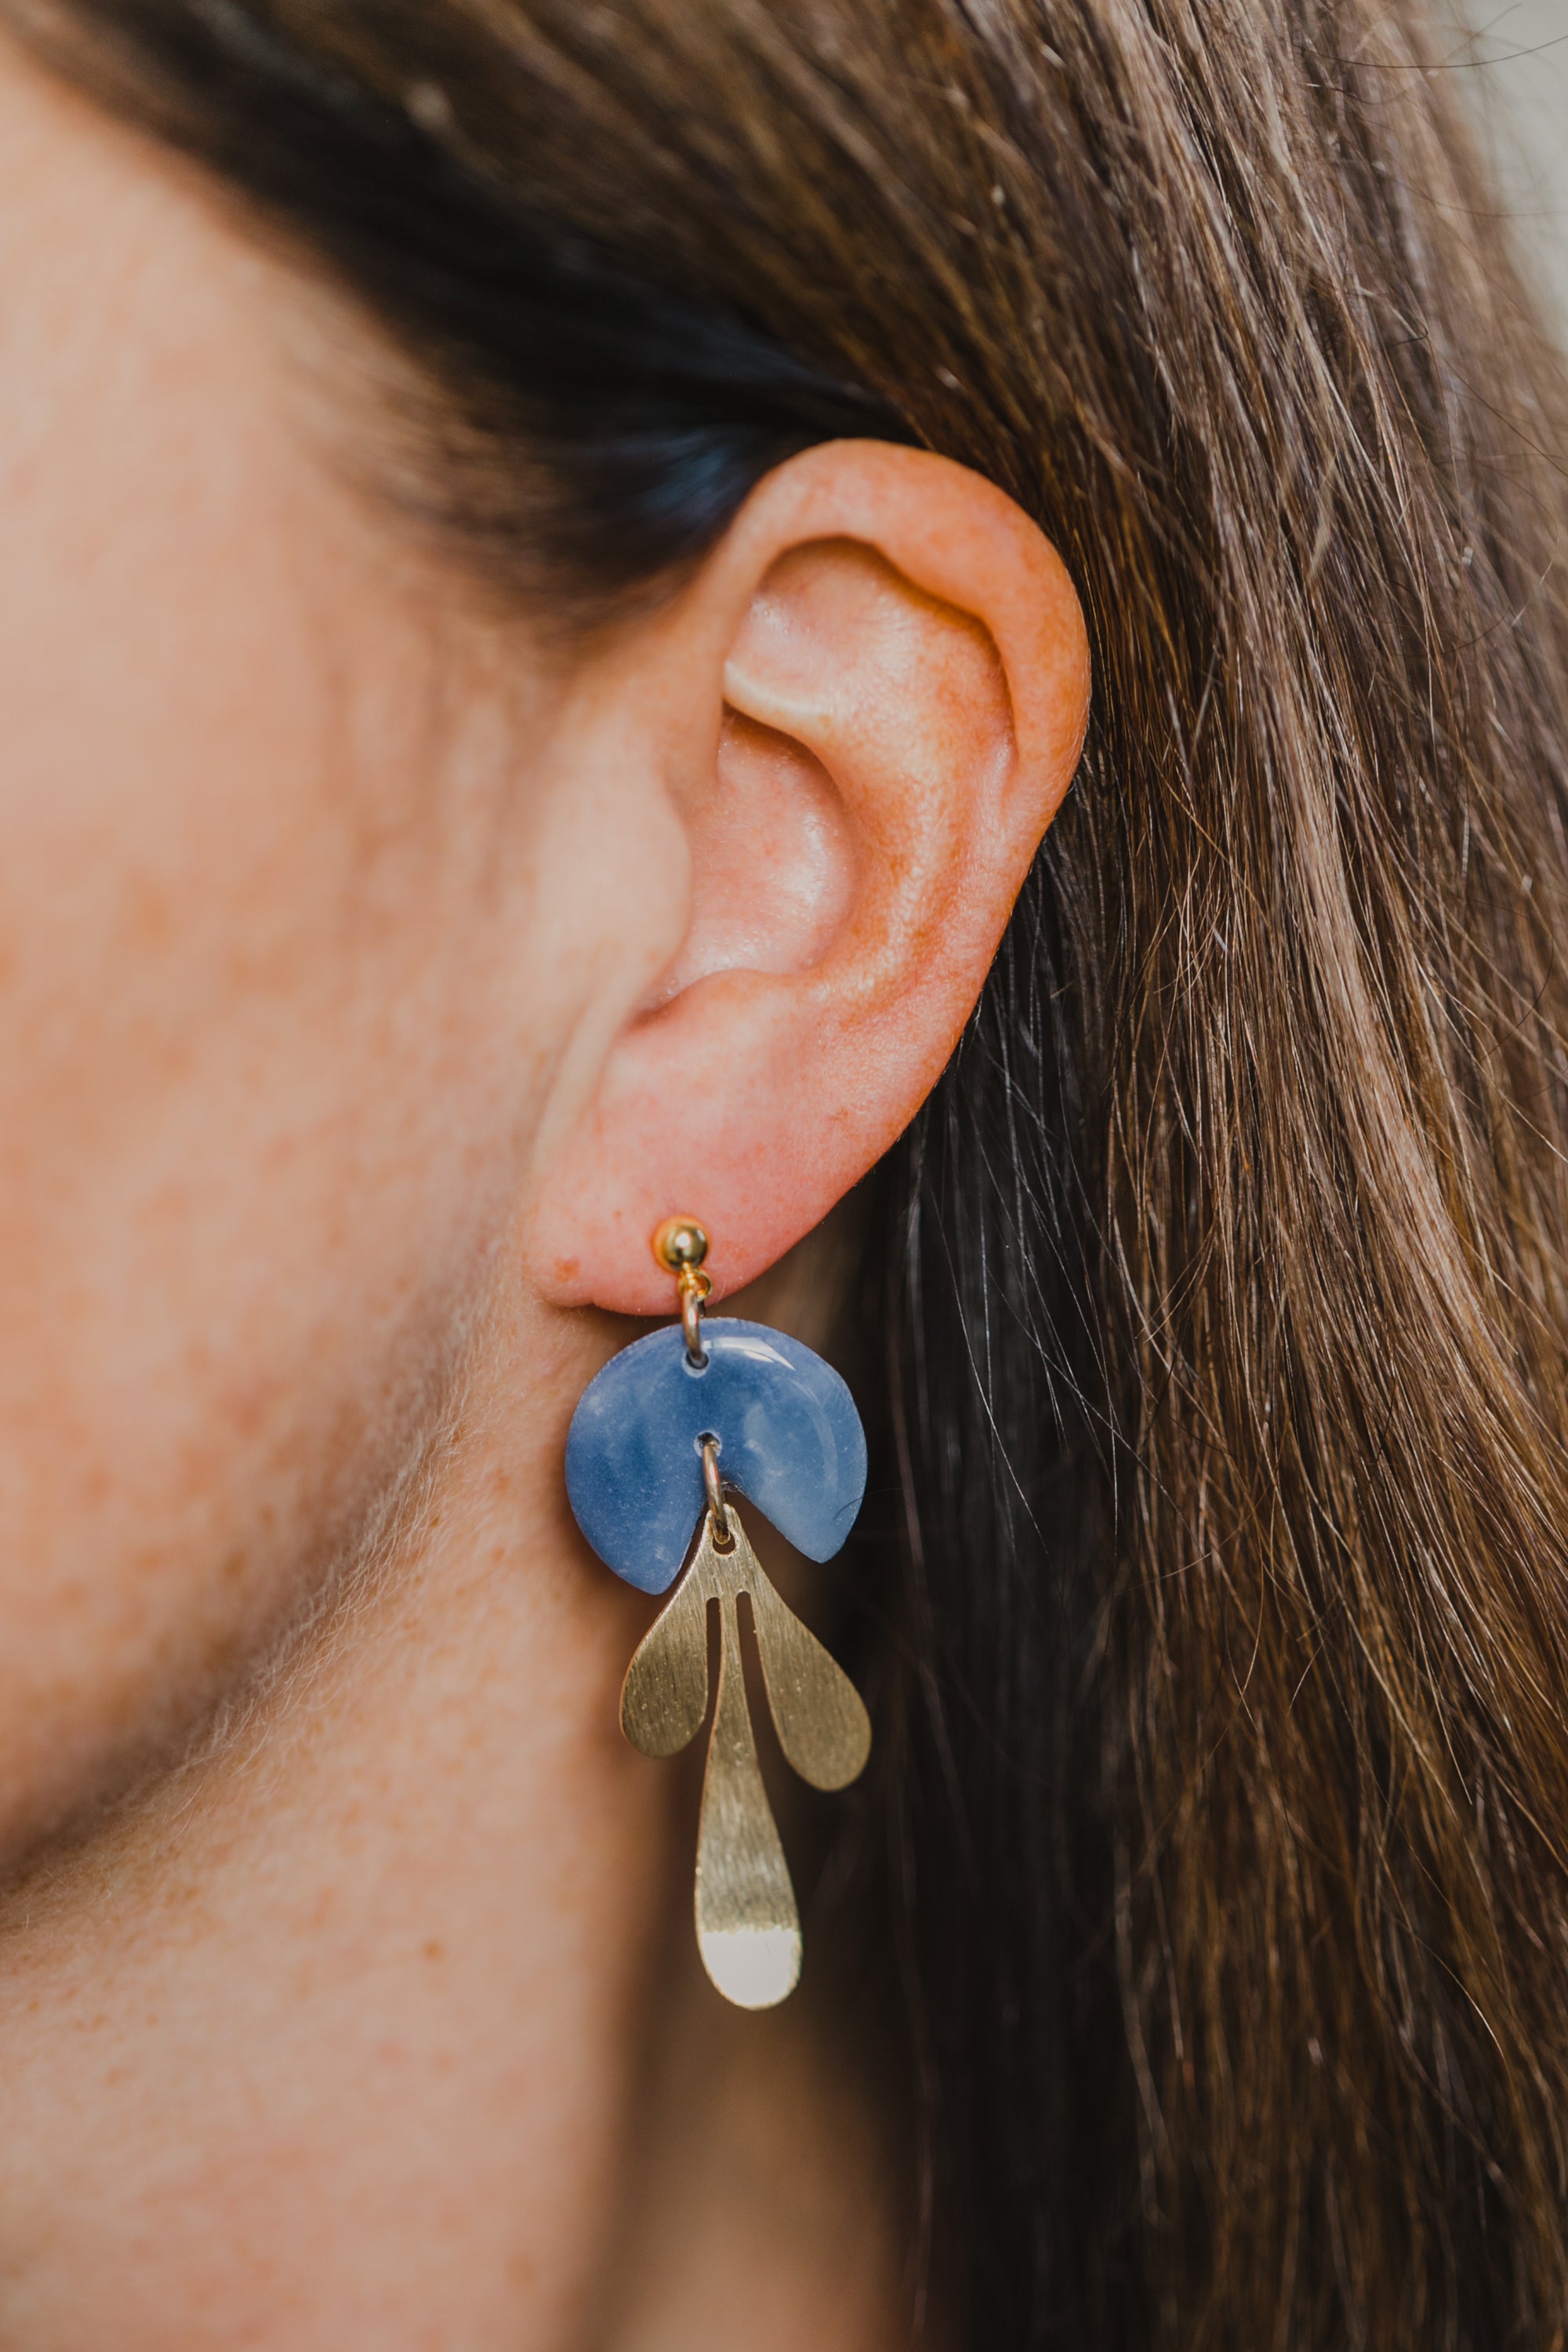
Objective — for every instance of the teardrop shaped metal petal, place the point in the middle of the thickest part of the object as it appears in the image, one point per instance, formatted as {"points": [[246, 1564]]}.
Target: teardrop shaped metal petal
{"points": [[748, 1927], [665, 1696], [790, 1439], [818, 1713]]}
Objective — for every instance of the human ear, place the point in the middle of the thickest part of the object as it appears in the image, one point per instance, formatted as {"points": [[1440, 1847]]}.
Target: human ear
{"points": [[868, 708]]}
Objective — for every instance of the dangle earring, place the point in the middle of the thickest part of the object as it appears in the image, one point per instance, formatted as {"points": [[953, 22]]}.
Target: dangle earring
{"points": [[669, 1429]]}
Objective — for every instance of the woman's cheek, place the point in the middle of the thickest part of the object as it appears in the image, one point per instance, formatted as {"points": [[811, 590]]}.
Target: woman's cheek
{"points": [[254, 960]]}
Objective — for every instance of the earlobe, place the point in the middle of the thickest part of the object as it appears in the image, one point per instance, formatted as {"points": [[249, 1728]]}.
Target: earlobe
{"points": [[896, 670]]}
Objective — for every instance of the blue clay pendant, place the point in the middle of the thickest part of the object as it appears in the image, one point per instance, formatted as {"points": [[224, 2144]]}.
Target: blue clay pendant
{"points": [[671, 1428], [789, 1440]]}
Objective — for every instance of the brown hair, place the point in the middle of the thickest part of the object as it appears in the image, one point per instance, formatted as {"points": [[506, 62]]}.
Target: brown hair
{"points": [[1226, 1275]]}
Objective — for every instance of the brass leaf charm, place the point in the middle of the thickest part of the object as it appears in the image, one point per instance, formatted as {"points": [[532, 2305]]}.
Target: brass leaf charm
{"points": [[748, 1927]]}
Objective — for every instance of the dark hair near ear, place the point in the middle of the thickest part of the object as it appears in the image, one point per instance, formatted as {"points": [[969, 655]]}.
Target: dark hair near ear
{"points": [[1220, 1292]]}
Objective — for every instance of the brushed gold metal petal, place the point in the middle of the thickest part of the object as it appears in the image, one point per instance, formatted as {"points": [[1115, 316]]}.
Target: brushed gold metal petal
{"points": [[665, 1696], [748, 1927], [818, 1713]]}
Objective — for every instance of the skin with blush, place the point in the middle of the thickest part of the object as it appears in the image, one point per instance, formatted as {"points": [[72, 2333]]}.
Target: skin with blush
{"points": [[361, 953]]}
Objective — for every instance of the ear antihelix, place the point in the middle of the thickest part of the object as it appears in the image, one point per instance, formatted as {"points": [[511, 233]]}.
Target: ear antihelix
{"points": [[668, 1432]]}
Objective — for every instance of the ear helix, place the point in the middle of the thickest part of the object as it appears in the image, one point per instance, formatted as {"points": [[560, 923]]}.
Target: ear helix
{"points": [[671, 1430]]}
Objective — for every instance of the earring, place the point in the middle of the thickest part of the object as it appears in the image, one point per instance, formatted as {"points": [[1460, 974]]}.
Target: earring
{"points": [[671, 1429]]}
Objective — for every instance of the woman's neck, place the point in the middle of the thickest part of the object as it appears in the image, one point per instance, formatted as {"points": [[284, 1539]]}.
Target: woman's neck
{"points": [[370, 2017]]}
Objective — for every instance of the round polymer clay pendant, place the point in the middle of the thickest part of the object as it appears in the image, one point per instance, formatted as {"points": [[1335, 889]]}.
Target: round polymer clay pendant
{"points": [[788, 1439]]}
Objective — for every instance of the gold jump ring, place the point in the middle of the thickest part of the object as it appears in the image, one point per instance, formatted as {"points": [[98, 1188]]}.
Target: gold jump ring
{"points": [[723, 1535]]}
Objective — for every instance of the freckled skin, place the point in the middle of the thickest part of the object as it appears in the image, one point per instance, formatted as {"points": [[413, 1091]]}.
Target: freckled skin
{"points": [[371, 982]]}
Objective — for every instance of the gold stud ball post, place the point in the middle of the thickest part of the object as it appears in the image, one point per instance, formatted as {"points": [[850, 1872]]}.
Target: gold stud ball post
{"points": [[680, 1243]]}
